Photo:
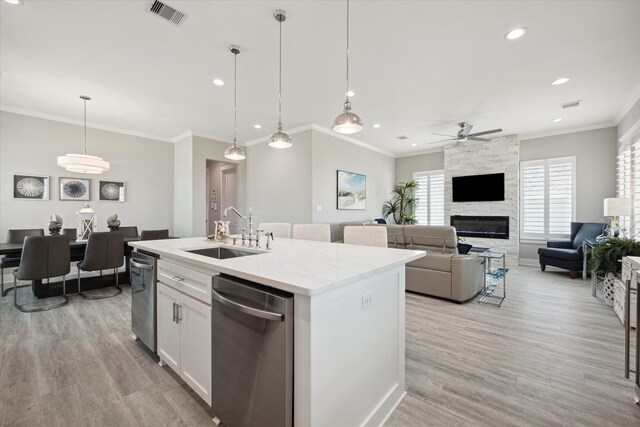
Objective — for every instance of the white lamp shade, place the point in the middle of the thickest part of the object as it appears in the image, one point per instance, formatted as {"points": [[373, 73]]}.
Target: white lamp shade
{"points": [[83, 163], [617, 207]]}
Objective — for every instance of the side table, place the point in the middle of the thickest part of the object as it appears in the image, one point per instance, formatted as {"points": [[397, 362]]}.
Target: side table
{"points": [[499, 275]]}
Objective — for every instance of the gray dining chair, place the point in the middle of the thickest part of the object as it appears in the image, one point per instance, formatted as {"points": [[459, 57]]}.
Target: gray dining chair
{"points": [[15, 236], [105, 250], [77, 253], [129, 231], [154, 234], [43, 257]]}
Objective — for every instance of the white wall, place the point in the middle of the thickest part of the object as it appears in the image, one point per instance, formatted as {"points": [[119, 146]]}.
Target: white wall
{"points": [[31, 146], [279, 181], [595, 153], [183, 195], [406, 166], [330, 154]]}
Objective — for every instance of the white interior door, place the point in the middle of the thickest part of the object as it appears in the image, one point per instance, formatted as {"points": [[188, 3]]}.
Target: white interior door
{"points": [[228, 196]]}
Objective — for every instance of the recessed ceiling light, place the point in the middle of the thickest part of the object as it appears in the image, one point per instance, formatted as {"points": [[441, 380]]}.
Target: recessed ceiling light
{"points": [[14, 2], [516, 33], [376, 125], [350, 93], [218, 82], [414, 144], [560, 81], [257, 126], [557, 120]]}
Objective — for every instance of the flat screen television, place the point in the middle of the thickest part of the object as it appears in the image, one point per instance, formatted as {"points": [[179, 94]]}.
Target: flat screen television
{"points": [[478, 188]]}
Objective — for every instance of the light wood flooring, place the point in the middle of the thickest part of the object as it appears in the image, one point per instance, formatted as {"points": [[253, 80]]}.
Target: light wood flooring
{"points": [[553, 355]]}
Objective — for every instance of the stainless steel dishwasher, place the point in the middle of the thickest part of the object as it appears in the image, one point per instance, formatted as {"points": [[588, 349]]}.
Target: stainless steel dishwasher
{"points": [[143, 267], [252, 354]]}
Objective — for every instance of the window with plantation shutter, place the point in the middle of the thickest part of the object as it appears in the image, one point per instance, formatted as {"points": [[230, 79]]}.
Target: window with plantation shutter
{"points": [[547, 198], [430, 195]]}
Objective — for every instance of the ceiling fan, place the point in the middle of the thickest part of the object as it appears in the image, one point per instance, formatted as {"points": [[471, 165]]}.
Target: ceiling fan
{"points": [[465, 135]]}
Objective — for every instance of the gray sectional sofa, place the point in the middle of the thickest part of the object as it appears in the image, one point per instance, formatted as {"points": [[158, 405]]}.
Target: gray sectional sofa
{"points": [[442, 272]]}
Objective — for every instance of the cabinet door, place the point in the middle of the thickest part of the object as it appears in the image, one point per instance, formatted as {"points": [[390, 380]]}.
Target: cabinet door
{"points": [[168, 329], [195, 321]]}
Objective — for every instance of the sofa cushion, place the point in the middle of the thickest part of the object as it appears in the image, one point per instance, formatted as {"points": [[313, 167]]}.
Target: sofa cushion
{"points": [[440, 239], [565, 254], [395, 236], [433, 261]]}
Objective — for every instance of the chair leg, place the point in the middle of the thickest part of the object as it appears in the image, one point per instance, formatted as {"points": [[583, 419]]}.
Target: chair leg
{"points": [[573, 274], [6, 291], [542, 266], [85, 296], [42, 308]]}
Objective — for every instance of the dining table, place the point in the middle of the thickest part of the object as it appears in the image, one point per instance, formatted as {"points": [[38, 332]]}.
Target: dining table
{"points": [[41, 290]]}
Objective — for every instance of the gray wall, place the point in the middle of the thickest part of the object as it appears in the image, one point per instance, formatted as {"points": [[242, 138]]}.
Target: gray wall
{"points": [[630, 123], [330, 154], [595, 153], [31, 145], [279, 181], [183, 195], [406, 166]]}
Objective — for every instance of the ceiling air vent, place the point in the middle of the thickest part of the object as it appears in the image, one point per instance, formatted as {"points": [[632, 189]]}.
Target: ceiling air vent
{"points": [[166, 12], [402, 137], [571, 104]]}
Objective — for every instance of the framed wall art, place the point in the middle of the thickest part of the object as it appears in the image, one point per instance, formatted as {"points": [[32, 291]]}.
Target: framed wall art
{"points": [[30, 187], [74, 189], [351, 191], [112, 191]]}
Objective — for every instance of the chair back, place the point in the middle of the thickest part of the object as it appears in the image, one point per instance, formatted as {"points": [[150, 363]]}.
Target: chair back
{"points": [[131, 231], [18, 235], [279, 229], [71, 233], [317, 232], [154, 234], [581, 231], [43, 257], [367, 235], [104, 250]]}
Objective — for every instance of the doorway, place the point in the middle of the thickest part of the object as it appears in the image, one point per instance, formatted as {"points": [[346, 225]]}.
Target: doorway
{"points": [[222, 192]]}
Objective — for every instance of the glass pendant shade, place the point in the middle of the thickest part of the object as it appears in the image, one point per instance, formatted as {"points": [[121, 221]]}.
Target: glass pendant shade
{"points": [[83, 163], [347, 122], [280, 139], [234, 152]]}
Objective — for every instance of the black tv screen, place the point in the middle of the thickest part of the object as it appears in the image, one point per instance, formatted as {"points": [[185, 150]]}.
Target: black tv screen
{"points": [[478, 188]]}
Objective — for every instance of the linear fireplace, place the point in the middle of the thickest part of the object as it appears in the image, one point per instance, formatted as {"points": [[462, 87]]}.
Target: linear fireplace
{"points": [[489, 227]]}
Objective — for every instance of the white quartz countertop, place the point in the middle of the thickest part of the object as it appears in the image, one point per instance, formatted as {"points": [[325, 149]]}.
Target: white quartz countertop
{"points": [[298, 266]]}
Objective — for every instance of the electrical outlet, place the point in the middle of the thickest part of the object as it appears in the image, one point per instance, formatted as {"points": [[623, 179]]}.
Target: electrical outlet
{"points": [[367, 300], [318, 208]]}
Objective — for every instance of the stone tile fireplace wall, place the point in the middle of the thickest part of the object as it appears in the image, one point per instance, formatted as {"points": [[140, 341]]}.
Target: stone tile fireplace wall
{"points": [[500, 155]]}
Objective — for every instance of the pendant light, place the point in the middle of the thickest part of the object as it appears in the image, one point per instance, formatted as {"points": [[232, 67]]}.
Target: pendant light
{"points": [[235, 152], [83, 163], [280, 139], [347, 122]]}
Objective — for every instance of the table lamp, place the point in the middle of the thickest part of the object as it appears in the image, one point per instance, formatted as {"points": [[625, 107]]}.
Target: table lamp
{"points": [[614, 208]]}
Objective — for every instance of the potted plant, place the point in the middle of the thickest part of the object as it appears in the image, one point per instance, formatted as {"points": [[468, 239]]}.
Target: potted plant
{"points": [[605, 256], [402, 204]]}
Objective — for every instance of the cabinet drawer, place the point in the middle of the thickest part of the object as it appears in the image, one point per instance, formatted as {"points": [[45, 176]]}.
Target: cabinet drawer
{"points": [[191, 282]]}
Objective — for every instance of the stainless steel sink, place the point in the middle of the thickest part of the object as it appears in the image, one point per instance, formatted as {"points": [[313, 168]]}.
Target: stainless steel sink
{"points": [[221, 253]]}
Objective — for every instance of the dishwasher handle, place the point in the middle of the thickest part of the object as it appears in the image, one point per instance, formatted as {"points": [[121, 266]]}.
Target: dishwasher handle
{"points": [[268, 315], [140, 265]]}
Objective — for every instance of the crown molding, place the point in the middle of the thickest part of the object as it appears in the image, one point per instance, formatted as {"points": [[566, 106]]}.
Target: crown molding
{"points": [[354, 141], [631, 101], [421, 152], [91, 125], [186, 134], [528, 136]]}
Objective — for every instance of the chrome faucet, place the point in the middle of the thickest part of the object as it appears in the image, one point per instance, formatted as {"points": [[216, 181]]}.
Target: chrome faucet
{"points": [[249, 217]]}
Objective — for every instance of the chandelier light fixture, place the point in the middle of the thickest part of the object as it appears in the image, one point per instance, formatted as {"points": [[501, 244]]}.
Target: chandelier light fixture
{"points": [[280, 139], [83, 163], [235, 152], [347, 122]]}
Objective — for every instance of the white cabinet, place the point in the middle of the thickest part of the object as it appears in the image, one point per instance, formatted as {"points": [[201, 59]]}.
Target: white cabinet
{"points": [[184, 326]]}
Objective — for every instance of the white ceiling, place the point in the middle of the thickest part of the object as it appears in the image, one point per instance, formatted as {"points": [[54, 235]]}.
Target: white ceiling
{"points": [[416, 67]]}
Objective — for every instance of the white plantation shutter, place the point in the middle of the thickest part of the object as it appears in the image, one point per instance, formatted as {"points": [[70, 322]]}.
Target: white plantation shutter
{"points": [[430, 192], [547, 193]]}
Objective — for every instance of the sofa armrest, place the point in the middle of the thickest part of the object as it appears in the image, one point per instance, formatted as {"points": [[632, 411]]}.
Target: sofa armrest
{"points": [[562, 244], [467, 276]]}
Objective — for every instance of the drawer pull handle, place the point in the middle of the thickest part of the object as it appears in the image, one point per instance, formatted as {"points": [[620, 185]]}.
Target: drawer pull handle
{"points": [[178, 278]]}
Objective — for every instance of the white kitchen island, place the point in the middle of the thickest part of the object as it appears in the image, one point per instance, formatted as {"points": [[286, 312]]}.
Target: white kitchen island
{"points": [[349, 320]]}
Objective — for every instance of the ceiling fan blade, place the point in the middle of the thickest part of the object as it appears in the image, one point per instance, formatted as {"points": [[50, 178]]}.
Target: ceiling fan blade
{"points": [[444, 134], [444, 140], [486, 132], [475, 138], [467, 128]]}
